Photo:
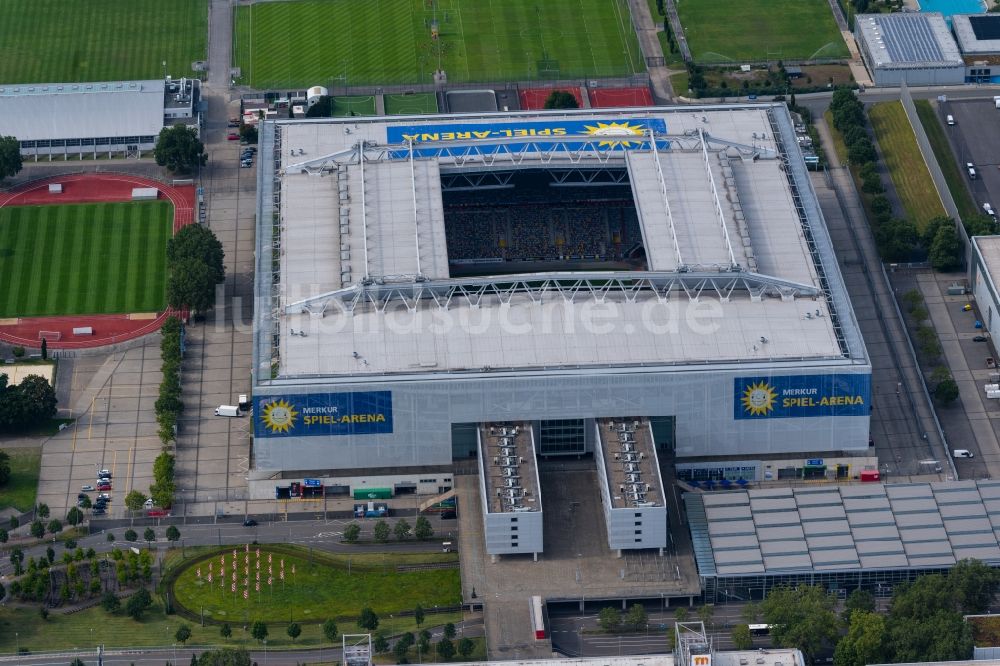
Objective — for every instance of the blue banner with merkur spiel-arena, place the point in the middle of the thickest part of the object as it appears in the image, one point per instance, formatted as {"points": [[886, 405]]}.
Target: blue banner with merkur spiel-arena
{"points": [[782, 397], [316, 414]]}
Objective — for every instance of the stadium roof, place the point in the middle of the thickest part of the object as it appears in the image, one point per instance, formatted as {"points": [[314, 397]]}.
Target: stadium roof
{"points": [[41, 111], [909, 40], [361, 283], [853, 527], [977, 34]]}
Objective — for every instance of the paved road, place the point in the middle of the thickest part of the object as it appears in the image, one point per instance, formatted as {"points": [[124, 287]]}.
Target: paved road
{"points": [[645, 28]]}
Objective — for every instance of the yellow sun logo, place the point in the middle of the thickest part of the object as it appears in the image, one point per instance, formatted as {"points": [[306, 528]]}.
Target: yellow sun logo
{"points": [[758, 399], [619, 134], [279, 416]]}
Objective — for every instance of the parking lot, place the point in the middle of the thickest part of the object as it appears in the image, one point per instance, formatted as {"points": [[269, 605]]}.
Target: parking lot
{"points": [[974, 138]]}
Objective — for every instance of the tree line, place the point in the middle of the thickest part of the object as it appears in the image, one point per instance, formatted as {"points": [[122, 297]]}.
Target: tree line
{"points": [[26, 405]]}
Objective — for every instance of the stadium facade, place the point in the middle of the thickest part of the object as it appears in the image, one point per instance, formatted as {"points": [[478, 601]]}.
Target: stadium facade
{"points": [[424, 281]]}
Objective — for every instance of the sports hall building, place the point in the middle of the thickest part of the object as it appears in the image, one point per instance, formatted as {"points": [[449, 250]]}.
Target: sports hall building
{"points": [[636, 285]]}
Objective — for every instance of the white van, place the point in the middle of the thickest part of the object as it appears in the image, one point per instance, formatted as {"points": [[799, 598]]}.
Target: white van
{"points": [[228, 410], [962, 453], [971, 170], [950, 119], [988, 209]]}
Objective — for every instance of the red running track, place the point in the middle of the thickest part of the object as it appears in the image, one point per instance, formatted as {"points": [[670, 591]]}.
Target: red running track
{"points": [[533, 99], [91, 188], [607, 98]]}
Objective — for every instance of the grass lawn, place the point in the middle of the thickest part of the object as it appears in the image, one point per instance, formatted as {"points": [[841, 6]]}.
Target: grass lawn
{"points": [[83, 258], [957, 183], [357, 105], [330, 586], [760, 30], [337, 42], [23, 484], [54, 41], [74, 631], [411, 105], [905, 163]]}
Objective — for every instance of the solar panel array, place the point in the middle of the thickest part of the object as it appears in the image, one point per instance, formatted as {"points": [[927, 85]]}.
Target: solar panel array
{"points": [[910, 39], [986, 27], [865, 526]]}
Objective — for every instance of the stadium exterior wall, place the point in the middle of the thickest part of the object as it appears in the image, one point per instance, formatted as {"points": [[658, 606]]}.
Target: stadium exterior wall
{"points": [[416, 431]]}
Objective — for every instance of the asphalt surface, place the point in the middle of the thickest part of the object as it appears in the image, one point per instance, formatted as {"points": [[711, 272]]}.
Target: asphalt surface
{"points": [[972, 142]]}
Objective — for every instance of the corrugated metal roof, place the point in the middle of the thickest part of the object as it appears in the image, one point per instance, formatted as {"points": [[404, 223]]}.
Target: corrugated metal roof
{"points": [[908, 40], [905, 526], [81, 110]]}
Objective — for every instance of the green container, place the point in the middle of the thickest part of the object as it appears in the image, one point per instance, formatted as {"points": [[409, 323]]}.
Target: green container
{"points": [[372, 493]]}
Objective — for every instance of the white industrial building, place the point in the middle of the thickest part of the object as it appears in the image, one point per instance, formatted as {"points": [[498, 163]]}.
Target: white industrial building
{"points": [[421, 281], [90, 120], [985, 271], [913, 48]]}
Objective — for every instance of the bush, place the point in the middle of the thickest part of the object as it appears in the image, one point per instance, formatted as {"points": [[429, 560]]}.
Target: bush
{"points": [[946, 392]]}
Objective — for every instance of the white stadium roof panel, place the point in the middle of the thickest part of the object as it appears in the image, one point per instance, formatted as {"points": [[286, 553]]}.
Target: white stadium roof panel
{"points": [[42, 111]]}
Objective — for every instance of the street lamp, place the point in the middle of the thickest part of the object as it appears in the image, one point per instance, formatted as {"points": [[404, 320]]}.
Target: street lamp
{"points": [[265, 652]]}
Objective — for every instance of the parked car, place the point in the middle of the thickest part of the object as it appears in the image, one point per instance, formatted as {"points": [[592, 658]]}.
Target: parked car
{"points": [[98, 511], [148, 503], [104, 486], [87, 488], [962, 453], [157, 513], [105, 472], [233, 136], [104, 496], [249, 522]]}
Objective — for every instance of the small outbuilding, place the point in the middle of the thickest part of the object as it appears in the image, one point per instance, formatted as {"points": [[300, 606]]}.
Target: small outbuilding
{"points": [[314, 94]]}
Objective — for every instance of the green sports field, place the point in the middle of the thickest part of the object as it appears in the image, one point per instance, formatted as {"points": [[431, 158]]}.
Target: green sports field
{"points": [[346, 42], [411, 105], [751, 30], [52, 41], [83, 258]]}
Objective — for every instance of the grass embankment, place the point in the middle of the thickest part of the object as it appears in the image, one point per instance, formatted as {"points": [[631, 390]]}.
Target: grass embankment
{"points": [[19, 492], [906, 166], [953, 175], [323, 585]]}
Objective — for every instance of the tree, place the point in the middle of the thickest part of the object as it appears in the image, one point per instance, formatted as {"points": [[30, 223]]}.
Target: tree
{"points": [[194, 660], [131, 536], [258, 631], [191, 285], [449, 630], [368, 619], [402, 530], [742, 640], [418, 615], [979, 225], [148, 535], [294, 630], [111, 537], [925, 622], [945, 252], [706, 613], [4, 535], [881, 207], [4, 468], [134, 500], [352, 532], [179, 149], [37, 529], [400, 650], [609, 619], [330, 630], [16, 558], [74, 517], [445, 649], [561, 99], [55, 526], [323, 108], [681, 614], [42, 510], [381, 531], [864, 642], [183, 633], [10, 156], [872, 184], [975, 584], [858, 600], [801, 617], [138, 603], [946, 392], [380, 644], [750, 612], [77, 662], [423, 530], [224, 657], [197, 242], [861, 152], [225, 631], [249, 133], [173, 534], [636, 618], [465, 647]]}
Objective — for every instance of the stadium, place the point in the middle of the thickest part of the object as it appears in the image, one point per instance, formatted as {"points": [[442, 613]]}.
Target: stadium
{"points": [[655, 287]]}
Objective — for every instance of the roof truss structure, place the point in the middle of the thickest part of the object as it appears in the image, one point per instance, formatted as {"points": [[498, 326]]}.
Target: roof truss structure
{"points": [[570, 287]]}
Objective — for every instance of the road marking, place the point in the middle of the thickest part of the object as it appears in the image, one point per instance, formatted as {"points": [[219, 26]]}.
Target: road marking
{"points": [[128, 479]]}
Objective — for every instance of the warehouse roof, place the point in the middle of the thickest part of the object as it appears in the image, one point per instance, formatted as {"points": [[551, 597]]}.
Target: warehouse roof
{"points": [[977, 34], [908, 40], [855, 527], [41, 111]]}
